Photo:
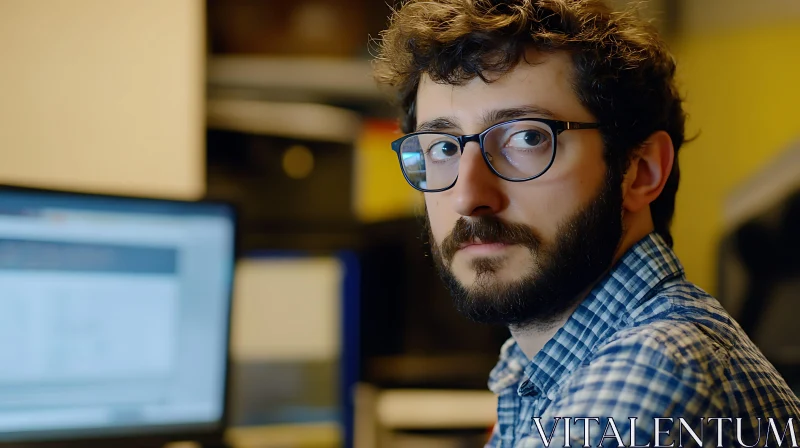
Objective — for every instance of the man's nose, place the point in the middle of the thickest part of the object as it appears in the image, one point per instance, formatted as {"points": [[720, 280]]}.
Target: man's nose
{"points": [[476, 191]]}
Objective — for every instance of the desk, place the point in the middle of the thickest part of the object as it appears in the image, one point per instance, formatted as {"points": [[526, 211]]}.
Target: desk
{"points": [[319, 435]]}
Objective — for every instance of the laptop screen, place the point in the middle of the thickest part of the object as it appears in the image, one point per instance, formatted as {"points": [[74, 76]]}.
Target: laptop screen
{"points": [[114, 315]]}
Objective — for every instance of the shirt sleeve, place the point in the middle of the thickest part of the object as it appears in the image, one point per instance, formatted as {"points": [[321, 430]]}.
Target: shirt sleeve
{"points": [[631, 377]]}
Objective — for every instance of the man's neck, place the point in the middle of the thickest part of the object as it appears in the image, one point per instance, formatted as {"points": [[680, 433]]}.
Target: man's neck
{"points": [[532, 338]]}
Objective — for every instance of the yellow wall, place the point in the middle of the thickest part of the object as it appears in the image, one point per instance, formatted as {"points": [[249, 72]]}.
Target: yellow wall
{"points": [[743, 95], [380, 191]]}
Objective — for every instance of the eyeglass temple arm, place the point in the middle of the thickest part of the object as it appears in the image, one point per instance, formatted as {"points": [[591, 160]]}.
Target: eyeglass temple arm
{"points": [[569, 125]]}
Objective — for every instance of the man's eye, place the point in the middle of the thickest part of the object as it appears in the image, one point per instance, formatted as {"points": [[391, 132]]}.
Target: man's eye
{"points": [[443, 150], [527, 139]]}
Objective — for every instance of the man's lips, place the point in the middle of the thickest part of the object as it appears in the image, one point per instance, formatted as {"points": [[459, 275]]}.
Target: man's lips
{"points": [[478, 246]]}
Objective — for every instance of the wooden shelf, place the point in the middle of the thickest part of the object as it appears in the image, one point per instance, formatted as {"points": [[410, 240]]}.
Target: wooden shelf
{"points": [[329, 77], [435, 409]]}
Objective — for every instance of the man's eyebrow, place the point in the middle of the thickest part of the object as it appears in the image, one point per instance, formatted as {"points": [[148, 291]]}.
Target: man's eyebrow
{"points": [[498, 115], [438, 124], [494, 116]]}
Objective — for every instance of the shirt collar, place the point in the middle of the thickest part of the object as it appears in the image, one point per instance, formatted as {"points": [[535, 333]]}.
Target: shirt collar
{"points": [[611, 305]]}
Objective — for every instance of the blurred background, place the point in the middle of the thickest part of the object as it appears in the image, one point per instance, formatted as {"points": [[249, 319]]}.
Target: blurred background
{"points": [[342, 335]]}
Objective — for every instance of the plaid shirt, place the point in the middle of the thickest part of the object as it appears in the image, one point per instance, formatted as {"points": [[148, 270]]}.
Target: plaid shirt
{"points": [[645, 343]]}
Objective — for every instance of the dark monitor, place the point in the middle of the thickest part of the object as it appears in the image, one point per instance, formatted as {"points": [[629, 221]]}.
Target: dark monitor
{"points": [[114, 318]]}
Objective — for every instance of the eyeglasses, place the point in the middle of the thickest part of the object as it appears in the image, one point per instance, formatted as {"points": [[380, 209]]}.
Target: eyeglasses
{"points": [[515, 150]]}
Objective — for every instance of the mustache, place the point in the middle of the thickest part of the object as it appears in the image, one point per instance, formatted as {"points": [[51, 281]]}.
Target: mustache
{"points": [[487, 229]]}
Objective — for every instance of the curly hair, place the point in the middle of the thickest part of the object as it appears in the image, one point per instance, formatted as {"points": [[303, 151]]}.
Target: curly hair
{"points": [[623, 72]]}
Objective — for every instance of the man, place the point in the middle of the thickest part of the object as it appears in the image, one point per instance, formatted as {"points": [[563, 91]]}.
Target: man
{"points": [[544, 135]]}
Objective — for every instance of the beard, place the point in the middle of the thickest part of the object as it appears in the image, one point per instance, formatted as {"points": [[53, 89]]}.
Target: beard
{"points": [[582, 252]]}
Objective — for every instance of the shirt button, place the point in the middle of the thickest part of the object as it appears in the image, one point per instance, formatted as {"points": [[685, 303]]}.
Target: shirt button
{"points": [[551, 395]]}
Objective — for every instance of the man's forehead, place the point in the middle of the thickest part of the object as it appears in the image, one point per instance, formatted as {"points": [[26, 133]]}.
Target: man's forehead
{"points": [[543, 85]]}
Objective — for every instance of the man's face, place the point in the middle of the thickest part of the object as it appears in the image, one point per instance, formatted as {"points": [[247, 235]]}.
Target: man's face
{"points": [[521, 253]]}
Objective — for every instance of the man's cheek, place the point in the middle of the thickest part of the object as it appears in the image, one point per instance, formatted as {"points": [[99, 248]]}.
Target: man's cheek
{"points": [[439, 222]]}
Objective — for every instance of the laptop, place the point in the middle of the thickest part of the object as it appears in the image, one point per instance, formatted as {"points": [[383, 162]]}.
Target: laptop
{"points": [[114, 318]]}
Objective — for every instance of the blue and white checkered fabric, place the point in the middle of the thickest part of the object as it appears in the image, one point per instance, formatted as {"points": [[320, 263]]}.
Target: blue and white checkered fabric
{"points": [[645, 343]]}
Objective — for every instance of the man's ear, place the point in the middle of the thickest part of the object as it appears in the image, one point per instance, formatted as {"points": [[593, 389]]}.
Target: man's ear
{"points": [[648, 172]]}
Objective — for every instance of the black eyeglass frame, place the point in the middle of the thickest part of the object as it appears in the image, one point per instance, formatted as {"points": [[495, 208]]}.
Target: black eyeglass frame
{"points": [[556, 128]]}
